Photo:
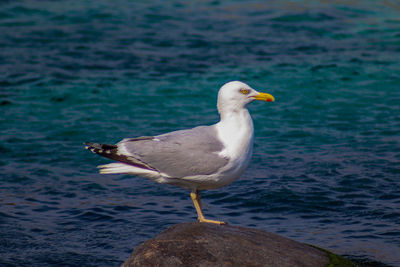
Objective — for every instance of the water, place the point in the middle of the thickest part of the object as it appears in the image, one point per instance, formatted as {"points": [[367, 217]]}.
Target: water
{"points": [[326, 160]]}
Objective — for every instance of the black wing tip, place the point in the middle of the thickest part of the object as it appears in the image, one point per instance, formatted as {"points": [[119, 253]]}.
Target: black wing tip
{"points": [[88, 144], [92, 146], [99, 148], [111, 152]]}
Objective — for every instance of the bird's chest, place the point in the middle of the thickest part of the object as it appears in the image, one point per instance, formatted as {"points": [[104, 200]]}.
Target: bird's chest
{"points": [[237, 137], [238, 149]]}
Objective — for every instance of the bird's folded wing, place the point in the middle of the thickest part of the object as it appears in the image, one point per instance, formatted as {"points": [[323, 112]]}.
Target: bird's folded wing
{"points": [[178, 154], [112, 152]]}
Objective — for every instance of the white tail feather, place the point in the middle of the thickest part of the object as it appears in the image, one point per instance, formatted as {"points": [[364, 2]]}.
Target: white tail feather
{"points": [[116, 168], [113, 168]]}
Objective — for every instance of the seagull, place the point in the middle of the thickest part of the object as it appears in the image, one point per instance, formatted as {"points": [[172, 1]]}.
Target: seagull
{"points": [[201, 158]]}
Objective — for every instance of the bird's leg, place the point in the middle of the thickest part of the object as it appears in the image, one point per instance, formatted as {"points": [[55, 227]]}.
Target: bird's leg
{"points": [[199, 199], [196, 197]]}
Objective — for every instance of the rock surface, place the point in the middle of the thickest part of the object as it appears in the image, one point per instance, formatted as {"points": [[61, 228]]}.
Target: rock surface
{"points": [[203, 244]]}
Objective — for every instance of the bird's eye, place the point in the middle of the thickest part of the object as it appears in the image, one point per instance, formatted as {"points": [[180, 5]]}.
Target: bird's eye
{"points": [[245, 91]]}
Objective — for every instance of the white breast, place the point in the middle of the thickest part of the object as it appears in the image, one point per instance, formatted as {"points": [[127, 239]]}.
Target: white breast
{"points": [[236, 133]]}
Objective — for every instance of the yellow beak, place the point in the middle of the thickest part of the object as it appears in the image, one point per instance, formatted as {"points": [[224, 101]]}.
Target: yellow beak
{"points": [[265, 97]]}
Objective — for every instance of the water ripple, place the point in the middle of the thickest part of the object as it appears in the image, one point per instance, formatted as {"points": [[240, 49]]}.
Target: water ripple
{"points": [[326, 156]]}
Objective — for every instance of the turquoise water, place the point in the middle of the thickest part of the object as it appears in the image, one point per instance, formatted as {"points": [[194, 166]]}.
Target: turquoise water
{"points": [[326, 163]]}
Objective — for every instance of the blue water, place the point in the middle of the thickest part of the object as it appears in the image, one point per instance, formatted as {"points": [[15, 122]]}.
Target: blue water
{"points": [[326, 163]]}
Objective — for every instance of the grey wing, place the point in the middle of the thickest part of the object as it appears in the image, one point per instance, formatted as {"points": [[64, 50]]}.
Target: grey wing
{"points": [[179, 154], [112, 152]]}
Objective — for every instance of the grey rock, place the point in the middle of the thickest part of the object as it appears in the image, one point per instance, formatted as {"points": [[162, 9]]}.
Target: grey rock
{"points": [[203, 244]]}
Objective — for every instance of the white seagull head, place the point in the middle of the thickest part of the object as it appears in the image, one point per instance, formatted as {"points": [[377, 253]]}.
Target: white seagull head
{"points": [[235, 95]]}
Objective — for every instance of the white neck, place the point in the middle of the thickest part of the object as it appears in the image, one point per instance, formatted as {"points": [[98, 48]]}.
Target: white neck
{"points": [[236, 131]]}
